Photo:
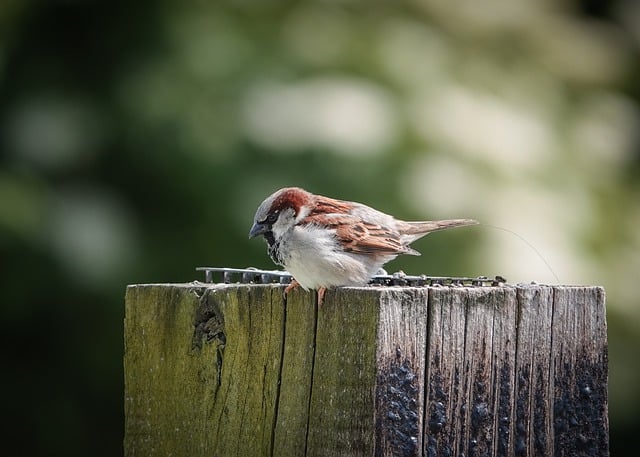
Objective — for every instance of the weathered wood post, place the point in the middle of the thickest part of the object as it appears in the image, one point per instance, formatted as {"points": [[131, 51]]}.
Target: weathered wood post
{"points": [[231, 370]]}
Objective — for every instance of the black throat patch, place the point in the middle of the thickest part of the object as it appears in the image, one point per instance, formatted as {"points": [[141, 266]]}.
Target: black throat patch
{"points": [[274, 248]]}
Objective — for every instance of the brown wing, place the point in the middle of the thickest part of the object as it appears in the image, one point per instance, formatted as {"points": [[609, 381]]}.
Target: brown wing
{"points": [[366, 238], [324, 206], [361, 237]]}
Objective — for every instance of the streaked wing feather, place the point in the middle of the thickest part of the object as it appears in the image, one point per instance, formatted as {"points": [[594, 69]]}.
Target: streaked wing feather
{"points": [[360, 237], [329, 206]]}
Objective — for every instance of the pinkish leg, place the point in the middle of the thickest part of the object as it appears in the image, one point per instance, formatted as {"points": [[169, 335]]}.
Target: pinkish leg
{"points": [[292, 285], [321, 292]]}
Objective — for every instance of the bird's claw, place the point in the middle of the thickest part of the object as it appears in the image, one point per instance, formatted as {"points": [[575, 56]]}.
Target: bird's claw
{"points": [[292, 285]]}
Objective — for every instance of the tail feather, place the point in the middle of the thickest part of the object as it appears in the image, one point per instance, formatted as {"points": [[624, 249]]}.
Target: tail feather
{"points": [[411, 231], [414, 228]]}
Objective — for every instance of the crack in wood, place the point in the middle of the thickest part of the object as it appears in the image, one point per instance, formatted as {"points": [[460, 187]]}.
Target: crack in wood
{"points": [[316, 308], [437, 371], [281, 365]]}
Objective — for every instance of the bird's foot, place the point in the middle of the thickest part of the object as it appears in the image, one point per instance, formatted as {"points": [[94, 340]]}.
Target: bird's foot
{"points": [[292, 285], [321, 292]]}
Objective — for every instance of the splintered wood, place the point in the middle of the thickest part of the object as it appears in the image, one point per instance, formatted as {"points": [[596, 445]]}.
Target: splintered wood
{"points": [[222, 370]]}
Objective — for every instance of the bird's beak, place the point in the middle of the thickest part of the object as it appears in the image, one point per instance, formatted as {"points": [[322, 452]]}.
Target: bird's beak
{"points": [[258, 229]]}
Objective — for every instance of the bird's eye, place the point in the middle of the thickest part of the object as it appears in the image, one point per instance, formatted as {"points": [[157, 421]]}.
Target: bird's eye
{"points": [[272, 218]]}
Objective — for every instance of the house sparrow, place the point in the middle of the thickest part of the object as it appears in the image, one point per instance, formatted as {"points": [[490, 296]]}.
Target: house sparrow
{"points": [[325, 242]]}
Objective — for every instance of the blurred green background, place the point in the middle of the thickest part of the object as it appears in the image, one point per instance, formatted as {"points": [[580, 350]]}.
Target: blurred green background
{"points": [[138, 138]]}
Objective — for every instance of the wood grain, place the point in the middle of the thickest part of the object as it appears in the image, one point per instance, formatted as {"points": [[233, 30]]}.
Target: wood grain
{"points": [[228, 370], [400, 367]]}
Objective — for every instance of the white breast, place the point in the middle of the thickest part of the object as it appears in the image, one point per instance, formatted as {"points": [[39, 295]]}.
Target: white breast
{"points": [[314, 258]]}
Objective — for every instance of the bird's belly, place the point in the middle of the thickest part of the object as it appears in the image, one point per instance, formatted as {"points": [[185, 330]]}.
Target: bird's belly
{"points": [[322, 272], [318, 261]]}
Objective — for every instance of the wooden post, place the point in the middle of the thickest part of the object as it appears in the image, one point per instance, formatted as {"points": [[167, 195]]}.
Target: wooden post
{"points": [[231, 370]]}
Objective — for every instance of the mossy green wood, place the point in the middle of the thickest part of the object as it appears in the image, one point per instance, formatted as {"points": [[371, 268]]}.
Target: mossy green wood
{"points": [[169, 387], [182, 396], [342, 401], [258, 378], [243, 408], [291, 428]]}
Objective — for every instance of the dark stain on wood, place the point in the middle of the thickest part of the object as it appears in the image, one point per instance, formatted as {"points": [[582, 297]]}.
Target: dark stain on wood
{"points": [[579, 425], [504, 408], [399, 425], [540, 413], [522, 411]]}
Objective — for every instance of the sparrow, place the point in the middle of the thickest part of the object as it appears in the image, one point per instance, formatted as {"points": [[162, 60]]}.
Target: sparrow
{"points": [[324, 242]]}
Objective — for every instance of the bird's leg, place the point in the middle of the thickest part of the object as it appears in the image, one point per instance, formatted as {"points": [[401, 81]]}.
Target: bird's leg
{"points": [[321, 292], [292, 285]]}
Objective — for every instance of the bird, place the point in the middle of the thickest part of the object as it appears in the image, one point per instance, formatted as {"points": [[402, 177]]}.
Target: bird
{"points": [[325, 242]]}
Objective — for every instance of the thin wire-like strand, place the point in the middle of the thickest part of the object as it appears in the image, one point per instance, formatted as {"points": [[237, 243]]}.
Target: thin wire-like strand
{"points": [[524, 240]]}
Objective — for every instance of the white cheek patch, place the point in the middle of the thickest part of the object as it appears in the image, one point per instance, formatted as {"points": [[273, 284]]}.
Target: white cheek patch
{"points": [[278, 229], [283, 224], [304, 212]]}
